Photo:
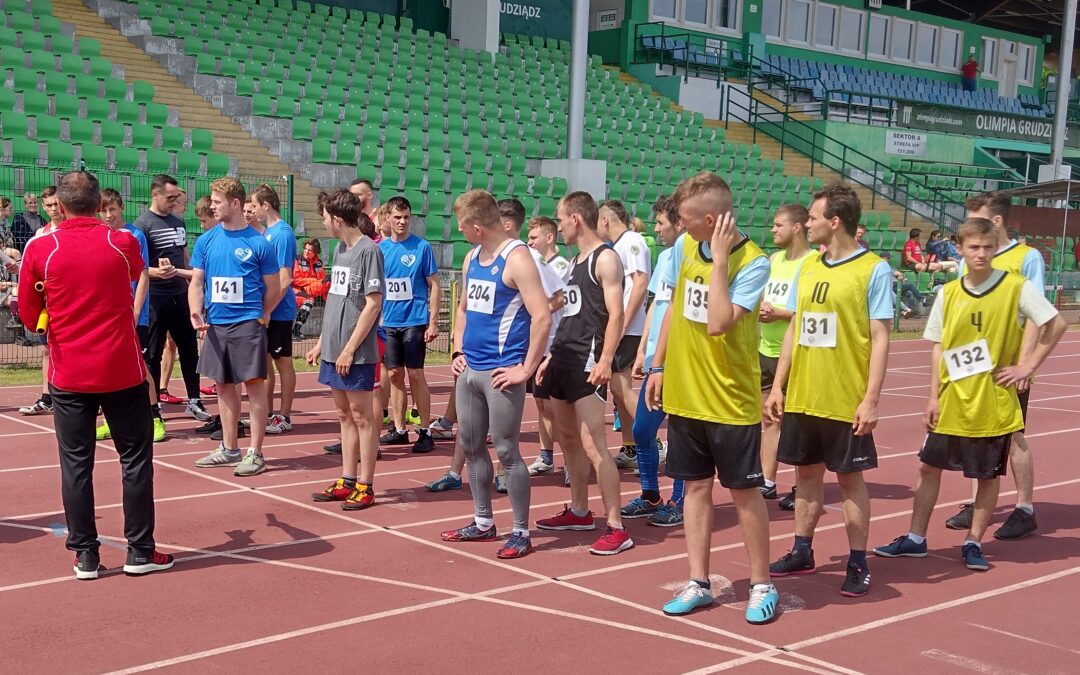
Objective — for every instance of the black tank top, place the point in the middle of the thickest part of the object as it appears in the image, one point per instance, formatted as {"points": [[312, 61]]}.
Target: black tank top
{"points": [[580, 337]]}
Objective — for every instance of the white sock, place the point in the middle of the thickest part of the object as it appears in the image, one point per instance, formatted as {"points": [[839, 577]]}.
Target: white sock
{"points": [[454, 475], [524, 533], [579, 514], [972, 541], [770, 483], [763, 587], [484, 523], [915, 538], [1027, 508]]}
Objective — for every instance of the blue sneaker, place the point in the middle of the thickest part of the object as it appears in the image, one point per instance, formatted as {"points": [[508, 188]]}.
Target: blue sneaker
{"points": [[688, 599], [639, 507], [616, 425], [517, 546], [763, 603], [445, 483], [973, 558], [902, 547], [668, 515]]}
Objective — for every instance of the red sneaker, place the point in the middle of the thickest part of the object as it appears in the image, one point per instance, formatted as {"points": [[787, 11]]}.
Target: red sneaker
{"points": [[361, 497], [337, 492], [567, 520], [166, 397], [208, 391], [614, 541]]}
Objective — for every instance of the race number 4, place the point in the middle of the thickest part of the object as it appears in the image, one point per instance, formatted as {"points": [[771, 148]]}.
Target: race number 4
{"points": [[818, 329], [227, 290], [339, 280], [967, 360], [573, 301], [696, 302], [480, 296]]}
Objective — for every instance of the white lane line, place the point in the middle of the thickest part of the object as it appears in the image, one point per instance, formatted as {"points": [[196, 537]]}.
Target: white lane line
{"points": [[1025, 638], [966, 662]]}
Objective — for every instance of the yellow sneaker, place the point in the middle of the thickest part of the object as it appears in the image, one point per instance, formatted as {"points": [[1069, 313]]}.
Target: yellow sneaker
{"points": [[103, 432], [159, 429]]}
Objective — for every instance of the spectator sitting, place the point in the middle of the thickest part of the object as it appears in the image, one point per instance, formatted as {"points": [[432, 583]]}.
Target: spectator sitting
{"points": [[913, 256], [910, 298], [310, 283]]}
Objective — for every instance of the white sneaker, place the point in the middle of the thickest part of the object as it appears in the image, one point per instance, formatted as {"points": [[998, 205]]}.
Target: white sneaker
{"points": [[627, 458], [541, 468], [278, 424], [219, 457], [195, 409], [251, 465], [441, 430]]}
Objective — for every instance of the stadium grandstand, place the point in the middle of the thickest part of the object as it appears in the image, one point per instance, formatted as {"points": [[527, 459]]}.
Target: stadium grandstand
{"points": [[777, 96]]}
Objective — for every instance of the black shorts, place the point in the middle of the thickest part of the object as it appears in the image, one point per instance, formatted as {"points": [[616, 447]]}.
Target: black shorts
{"points": [[983, 458], [626, 353], [567, 381], [808, 439], [768, 370], [1024, 396], [279, 339], [539, 391], [406, 347], [143, 333], [698, 450], [233, 353]]}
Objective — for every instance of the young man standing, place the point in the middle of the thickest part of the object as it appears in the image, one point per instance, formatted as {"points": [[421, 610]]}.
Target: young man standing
{"points": [[706, 342], [1021, 259], [543, 232], [842, 303], [347, 353], [411, 320], [637, 268], [789, 233], [279, 333], [502, 327], [51, 203], [364, 191], [235, 279], [579, 368], [25, 224], [112, 214], [166, 238], [977, 327], [647, 422]]}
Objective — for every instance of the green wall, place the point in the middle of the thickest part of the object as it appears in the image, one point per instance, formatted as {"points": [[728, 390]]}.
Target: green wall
{"points": [[607, 44], [870, 140]]}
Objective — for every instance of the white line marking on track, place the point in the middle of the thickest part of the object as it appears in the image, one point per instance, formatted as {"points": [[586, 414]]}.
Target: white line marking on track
{"points": [[965, 662], [1026, 638]]}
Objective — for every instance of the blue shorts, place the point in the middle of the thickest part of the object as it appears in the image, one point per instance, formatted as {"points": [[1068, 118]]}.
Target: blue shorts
{"points": [[361, 377]]}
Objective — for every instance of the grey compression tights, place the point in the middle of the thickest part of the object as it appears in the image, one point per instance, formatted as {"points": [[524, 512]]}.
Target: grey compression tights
{"points": [[482, 409]]}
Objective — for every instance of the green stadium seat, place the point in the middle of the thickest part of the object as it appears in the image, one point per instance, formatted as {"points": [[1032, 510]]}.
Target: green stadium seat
{"points": [[188, 163], [94, 157], [217, 164], [81, 131], [47, 128], [112, 133], [61, 155], [158, 161], [35, 103], [143, 136], [201, 140], [25, 150], [126, 159]]}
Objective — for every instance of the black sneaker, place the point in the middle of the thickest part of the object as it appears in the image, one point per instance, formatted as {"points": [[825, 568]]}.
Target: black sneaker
{"points": [[962, 520], [87, 564], [857, 582], [145, 562], [218, 435], [210, 426], [1018, 525], [394, 437], [333, 448], [788, 501], [793, 562], [424, 442], [768, 492]]}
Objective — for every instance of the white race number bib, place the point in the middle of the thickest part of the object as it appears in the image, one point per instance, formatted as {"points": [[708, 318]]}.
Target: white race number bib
{"points": [[818, 329], [339, 280], [664, 294], [696, 302], [399, 289], [227, 290], [573, 301], [967, 360], [481, 296], [776, 293]]}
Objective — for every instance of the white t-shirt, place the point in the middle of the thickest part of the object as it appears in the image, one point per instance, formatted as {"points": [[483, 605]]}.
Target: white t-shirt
{"points": [[634, 253], [560, 265], [1033, 305], [552, 282]]}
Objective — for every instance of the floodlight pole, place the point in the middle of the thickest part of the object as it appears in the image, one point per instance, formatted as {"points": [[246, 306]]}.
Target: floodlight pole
{"points": [[579, 59], [1061, 110]]}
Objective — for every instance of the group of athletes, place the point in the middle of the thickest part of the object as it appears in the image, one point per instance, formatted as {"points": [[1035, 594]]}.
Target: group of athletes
{"points": [[766, 360]]}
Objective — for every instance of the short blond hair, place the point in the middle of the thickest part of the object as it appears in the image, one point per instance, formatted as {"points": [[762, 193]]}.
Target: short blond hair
{"points": [[705, 183], [544, 223], [230, 188], [477, 207], [202, 207]]}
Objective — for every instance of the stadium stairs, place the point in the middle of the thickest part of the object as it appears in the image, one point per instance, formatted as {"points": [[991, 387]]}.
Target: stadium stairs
{"points": [[194, 111]]}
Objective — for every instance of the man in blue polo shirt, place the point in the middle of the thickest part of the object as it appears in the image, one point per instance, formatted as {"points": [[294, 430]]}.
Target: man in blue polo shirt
{"points": [[279, 331], [235, 278], [410, 316]]}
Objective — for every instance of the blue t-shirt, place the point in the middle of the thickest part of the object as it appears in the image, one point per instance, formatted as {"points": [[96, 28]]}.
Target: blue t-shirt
{"points": [[283, 241], [661, 291], [234, 262], [879, 294], [745, 288], [144, 315], [409, 263]]}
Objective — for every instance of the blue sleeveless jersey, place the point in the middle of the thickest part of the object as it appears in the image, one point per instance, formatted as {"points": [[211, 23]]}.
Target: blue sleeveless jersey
{"points": [[497, 324]]}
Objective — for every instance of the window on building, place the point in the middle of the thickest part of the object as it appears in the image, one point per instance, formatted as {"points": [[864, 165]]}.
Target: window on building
{"points": [[696, 11], [851, 30], [663, 9], [1027, 64], [772, 13], [926, 44], [951, 44], [825, 25], [901, 40], [989, 56], [879, 35], [727, 13], [798, 21]]}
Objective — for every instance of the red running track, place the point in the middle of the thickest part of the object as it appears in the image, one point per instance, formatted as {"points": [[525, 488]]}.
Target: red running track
{"points": [[266, 579]]}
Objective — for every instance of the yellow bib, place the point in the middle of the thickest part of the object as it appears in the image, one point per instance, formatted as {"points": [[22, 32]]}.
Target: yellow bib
{"points": [[781, 275], [830, 360], [979, 334], [711, 378]]}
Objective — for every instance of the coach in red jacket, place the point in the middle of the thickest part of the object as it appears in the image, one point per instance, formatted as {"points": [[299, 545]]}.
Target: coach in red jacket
{"points": [[81, 274]]}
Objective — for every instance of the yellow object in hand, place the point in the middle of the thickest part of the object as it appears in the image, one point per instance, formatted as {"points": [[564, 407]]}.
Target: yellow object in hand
{"points": [[43, 321]]}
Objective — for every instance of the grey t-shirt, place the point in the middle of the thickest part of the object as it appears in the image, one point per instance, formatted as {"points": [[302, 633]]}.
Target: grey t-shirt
{"points": [[357, 272]]}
